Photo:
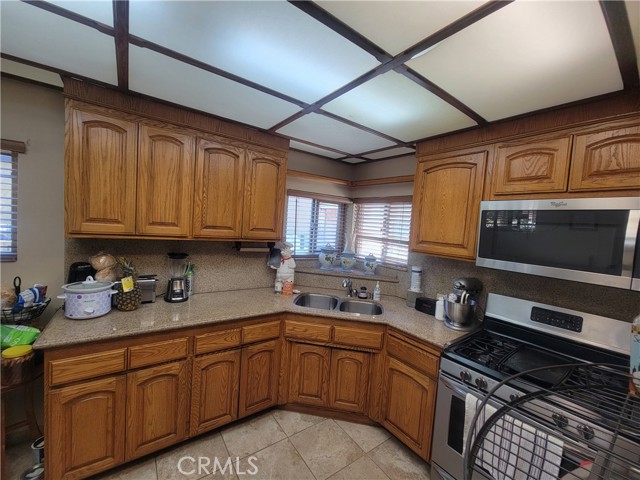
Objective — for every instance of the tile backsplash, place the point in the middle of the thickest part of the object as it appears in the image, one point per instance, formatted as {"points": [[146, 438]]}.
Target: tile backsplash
{"points": [[219, 267]]}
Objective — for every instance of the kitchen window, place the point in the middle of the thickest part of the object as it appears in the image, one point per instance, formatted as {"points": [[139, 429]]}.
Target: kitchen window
{"points": [[382, 228], [9, 151], [315, 220]]}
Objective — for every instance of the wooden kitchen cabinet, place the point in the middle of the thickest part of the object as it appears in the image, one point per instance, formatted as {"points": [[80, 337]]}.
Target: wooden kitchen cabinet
{"points": [[606, 158], [86, 427], [539, 165], [219, 189], [309, 374], [446, 203], [263, 212], [349, 380], [166, 159], [100, 172], [157, 408], [409, 402], [214, 390], [259, 376]]}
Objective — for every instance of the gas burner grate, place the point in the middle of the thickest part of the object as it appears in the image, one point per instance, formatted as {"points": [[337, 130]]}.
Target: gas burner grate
{"points": [[485, 349]]}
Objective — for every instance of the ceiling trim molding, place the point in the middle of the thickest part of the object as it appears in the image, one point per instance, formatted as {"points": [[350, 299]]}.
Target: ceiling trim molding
{"points": [[142, 43], [121, 23], [314, 176], [68, 14], [382, 181], [617, 19]]}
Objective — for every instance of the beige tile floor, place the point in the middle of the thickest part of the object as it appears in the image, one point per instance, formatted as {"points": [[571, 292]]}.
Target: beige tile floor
{"points": [[280, 445]]}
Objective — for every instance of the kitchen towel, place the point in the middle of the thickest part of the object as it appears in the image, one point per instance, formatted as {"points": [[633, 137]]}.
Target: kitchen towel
{"points": [[512, 449]]}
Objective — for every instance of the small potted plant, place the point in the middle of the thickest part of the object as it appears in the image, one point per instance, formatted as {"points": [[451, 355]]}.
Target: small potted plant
{"points": [[129, 294]]}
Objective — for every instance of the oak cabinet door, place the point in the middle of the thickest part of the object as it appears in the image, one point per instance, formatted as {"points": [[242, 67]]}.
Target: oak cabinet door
{"points": [[349, 380], [86, 428], [259, 376], [607, 159], [214, 393], [100, 173], [263, 214], [157, 408], [165, 181], [540, 166], [309, 374], [446, 204], [219, 190], [409, 406]]}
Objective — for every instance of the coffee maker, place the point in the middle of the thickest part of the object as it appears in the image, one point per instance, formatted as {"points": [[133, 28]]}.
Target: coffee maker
{"points": [[177, 291]]}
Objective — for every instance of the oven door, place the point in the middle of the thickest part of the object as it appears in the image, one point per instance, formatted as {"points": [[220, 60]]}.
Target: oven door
{"points": [[447, 451]]}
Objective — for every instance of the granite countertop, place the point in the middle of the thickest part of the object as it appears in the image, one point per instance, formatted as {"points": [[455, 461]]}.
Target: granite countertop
{"points": [[211, 308]]}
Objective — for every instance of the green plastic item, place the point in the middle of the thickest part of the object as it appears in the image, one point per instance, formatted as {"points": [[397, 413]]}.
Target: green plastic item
{"points": [[12, 335]]}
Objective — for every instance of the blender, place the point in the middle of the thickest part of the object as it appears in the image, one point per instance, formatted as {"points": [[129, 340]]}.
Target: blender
{"points": [[178, 264]]}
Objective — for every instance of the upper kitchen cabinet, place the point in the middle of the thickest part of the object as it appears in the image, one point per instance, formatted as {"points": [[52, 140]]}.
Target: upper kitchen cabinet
{"points": [[219, 188], [100, 172], [166, 160], [446, 203], [607, 158], [263, 213], [534, 166]]}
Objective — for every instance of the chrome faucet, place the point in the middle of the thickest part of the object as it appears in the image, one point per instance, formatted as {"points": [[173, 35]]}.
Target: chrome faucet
{"points": [[346, 283]]}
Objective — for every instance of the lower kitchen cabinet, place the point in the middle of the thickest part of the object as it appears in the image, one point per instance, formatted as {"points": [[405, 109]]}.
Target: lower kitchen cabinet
{"points": [[349, 380], [408, 409], [88, 431], [309, 374], [214, 391], [157, 408], [259, 376]]}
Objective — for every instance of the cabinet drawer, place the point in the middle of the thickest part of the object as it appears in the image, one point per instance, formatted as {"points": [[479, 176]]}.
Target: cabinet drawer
{"points": [[357, 337], [211, 342], [413, 356], [307, 331], [261, 331], [87, 366], [152, 353]]}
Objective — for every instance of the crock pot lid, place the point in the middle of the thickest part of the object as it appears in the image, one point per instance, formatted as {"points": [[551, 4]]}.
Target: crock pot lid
{"points": [[88, 286]]}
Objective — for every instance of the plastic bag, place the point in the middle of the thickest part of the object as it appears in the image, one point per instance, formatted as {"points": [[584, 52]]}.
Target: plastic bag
{"points": [[12, 335]]}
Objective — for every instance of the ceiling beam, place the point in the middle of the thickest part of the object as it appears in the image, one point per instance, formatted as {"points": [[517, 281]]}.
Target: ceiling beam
{"points": [[617, 19], [63, 12], [121, 27], [359, 126]]}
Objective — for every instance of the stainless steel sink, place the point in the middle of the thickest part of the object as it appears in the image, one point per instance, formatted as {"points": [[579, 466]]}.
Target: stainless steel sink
{"points": [[316, 300], [360, 306]]}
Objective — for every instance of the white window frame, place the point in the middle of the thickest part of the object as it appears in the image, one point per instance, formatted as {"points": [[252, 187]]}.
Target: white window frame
{"points": [[9, 176]]}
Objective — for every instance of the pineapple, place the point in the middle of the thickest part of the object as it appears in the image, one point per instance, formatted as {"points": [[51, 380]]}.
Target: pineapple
{"points": [[128, 300]]}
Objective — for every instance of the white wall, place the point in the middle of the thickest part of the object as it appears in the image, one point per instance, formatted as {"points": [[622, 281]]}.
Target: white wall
{"points": [[35, 115], [395, 167]]}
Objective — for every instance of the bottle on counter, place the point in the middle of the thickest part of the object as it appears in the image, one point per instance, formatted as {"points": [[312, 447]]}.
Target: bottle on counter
{"points": [[363, 293], [376, 292], [440, 308]]}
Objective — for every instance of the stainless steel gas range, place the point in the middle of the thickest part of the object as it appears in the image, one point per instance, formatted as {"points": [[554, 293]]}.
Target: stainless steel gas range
{"points": [[555, 370]]}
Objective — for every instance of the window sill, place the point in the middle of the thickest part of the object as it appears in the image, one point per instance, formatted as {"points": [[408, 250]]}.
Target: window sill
{"points": [[355, 273]]}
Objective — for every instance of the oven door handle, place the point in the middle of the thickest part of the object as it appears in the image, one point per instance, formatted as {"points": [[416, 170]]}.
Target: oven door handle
{"points": [[461, 391]]}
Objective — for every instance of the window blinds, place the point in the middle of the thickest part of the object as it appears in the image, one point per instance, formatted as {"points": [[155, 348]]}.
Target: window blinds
{"points": [[314, 221], [382, 229], [8, 206]]}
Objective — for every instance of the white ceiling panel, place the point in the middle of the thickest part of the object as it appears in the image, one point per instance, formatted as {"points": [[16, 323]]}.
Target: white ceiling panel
{"points": [[396, 106], [99, 10], [392, 152], [271, 43], [311, 149], [397, 25], [32, 73], [527, 56], [33, 34], [159, 76], [322, 130]]}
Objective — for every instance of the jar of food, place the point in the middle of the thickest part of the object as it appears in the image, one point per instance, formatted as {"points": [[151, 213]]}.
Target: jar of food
{"points": [[17, 364]]}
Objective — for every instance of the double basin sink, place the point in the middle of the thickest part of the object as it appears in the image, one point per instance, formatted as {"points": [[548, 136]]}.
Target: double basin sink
{"points": [[330, 302]]}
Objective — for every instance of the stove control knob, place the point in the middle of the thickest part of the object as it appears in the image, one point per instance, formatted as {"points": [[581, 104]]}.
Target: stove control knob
{"points": [[481, 383], [465, 376], [560, 420], [586, 432]]}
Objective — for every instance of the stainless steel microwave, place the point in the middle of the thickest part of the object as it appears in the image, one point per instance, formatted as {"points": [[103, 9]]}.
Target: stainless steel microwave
{"points": [[591, 240]]}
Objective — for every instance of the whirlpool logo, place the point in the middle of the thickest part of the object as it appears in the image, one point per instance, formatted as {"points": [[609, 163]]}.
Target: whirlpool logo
{"points": [[558, 204]]}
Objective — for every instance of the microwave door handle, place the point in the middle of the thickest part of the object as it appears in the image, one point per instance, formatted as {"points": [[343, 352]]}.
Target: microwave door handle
{"points": [[630, 243]]}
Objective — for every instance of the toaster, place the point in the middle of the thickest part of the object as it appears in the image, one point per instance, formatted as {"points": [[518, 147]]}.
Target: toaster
{"points": [[147, 284]]}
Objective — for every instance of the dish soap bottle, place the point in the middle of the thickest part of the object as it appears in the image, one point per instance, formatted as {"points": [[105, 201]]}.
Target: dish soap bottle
{"points": [[376, 292]]}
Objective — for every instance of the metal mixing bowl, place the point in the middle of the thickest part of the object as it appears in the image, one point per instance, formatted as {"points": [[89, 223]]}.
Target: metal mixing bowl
{"points": [[462, 314]]}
